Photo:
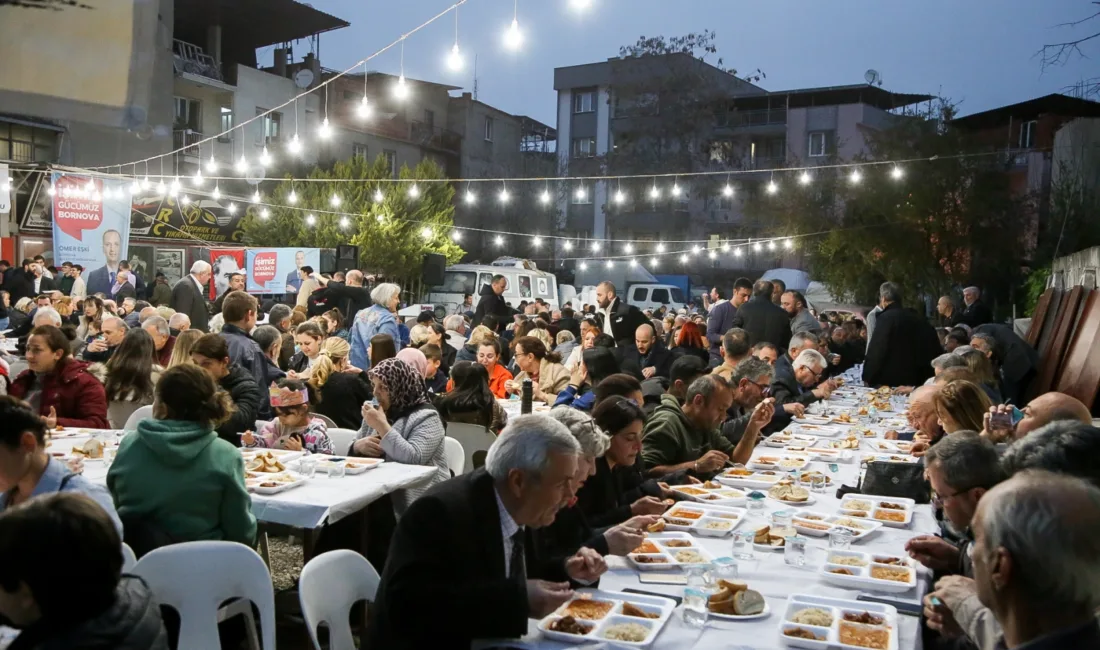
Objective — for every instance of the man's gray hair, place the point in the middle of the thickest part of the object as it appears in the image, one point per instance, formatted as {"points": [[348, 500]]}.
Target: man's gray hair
{"points": [[277, 313], [564, 336], [453, 322], [809, 358], [982, 336], [966, 461], [594, 442], [800, 340], [1053, 550], [705, 386], [948, 360], [752, 369], [1065, 446], [962, 349], [157, 323], [200, 267], [46, 316], [526, 444], [384, 293], [889, 292], [179, 318], [115, 319], [974, 290]]}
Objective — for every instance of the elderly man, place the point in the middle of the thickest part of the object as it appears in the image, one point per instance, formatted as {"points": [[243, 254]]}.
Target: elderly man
{"points": [[163, 340], [179, 323], [1039, 412], [1035, 568], [962, 468], [949, 316], [750, 411], [147, 313], [617, 318], [646, 357], [455, 326], [801, 384], [943, 362], [1064, 447], [134, 309], [902, 345], [686, 437], [482, 570], [794, 303], [350, 296], [123, 289], [763, 320], [188, 295], [112, 331], [975, 312], [236, 283]]}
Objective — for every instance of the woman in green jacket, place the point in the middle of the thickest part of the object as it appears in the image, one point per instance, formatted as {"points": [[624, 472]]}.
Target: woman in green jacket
{"points": [[174, 480]]}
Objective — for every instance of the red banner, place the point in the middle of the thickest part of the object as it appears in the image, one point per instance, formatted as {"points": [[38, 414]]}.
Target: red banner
{"points": [[77, 205], [225, 262]]}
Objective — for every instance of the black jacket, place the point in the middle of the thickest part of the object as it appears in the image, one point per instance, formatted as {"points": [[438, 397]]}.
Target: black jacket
{"points": [[901, 349], [349, 300], [246, 353], [975, 314], [1016, 359], [491, 303], [570, 325], [549, 547], [684, 351], [606, 497], [126, 290], [342, 399], [448, 548], [765, 322], [625, 319], [187, 299], [132, 622], [247, 396], [19, 283], [298, 363], [786, 389], [631, 361]]}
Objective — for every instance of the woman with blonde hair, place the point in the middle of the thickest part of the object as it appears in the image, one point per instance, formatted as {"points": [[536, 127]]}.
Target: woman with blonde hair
{"points": [[477, 337], [960, 406], [181, 352], [341, 388]]}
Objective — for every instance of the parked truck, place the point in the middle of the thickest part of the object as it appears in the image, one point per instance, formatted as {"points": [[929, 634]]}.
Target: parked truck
{"points": [[633, 284]]}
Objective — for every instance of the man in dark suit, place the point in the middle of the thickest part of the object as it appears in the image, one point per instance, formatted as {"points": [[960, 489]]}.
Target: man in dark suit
{"points": [[719, 321], [492, 302], [794, 384], [350, 296], [122, 289], [764, 320], [464, 541], [976, 312], [188, 295], [618, 319], [902, 346], [646, 357], [569, 322], [1016, 361], [102, 279]]}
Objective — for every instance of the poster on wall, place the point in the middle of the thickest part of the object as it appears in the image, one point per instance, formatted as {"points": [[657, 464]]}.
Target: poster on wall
{"points": [[91, 227], [169, 261], [225, 262], [275, 270], [141, 261]]}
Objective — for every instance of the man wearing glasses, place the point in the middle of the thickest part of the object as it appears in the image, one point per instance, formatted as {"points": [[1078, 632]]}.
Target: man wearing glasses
{"points": [[797, 386], [751, 411]]}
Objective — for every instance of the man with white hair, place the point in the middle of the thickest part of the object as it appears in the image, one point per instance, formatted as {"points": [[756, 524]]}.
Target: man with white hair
{"points": [[380, 318], [975, 312], [902, 345], [111, 333], [797, 386], [482, 569], [163, 341], [189, 295], [455, 325], [179, 323]]}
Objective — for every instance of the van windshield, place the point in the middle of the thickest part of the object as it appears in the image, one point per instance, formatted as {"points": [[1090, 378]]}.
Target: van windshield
{"points": [[677, 295], [457, 282]]}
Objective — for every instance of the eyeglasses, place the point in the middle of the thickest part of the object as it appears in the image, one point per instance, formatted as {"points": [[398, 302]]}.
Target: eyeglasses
{"points": [[939, 499]]}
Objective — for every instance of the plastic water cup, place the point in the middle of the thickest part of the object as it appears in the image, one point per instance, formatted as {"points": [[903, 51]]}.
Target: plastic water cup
{"points": [[840, 538], [336, 470], [695, 606], [794, 551], [742, 544], [819, 482], [307, 466], [724, 568], [756, 502], [109, 456]]}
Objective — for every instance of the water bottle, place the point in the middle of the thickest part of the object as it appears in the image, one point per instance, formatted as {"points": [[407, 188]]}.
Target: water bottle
{"points": [[528, 393]]}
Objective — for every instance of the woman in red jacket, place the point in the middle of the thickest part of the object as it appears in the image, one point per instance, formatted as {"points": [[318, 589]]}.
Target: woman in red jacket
{"points": [[57, 386]]}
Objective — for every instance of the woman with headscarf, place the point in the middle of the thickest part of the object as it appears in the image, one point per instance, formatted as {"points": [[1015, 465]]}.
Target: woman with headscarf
{"points": [[404, 428]]}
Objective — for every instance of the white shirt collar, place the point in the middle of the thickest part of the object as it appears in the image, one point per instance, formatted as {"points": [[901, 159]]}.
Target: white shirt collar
{"points": [[508, 526]]}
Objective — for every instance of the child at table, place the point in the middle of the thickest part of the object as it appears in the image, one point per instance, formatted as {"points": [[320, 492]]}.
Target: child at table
{"points": [[294, 427]]}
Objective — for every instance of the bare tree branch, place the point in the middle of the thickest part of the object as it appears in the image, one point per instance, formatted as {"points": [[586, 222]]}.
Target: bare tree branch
{"points": [[1054, 54]]}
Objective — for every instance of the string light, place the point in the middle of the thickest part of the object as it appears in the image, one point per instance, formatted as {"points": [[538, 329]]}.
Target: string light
{"points": [[471, 198], [620, 197], [856, 177], [660, 247], [414, 191], [498, 240], [633, 262], [145, 183], [242, 165], [609, 263], [684, 258], [737, 252], [504, 195], [265, 157], [364, 107], [173, 190], [310, 220], [581, 194], [454, 60], [568, 245], [654, 262], [426, 232], [727, 191], [654, 192], [676, 190], [544, 198], [292, 197], [756, 247], [712, 255], [161, 188], [232, 209], [513, 38], [52, 191], [185, 200], [725, 247], [401, 89], [197, 179], [788, 243], [212, 164], [772, 187], [584, 266], [335, 200], [325, 130], [379, 196], [896, 173], [344, 222], [595, 247], [771, 245], [580, 5], [695, 249], [256, 196], [629, 248], [804, 178], [265, 213], [537, 241], [380, 218], [456, 235], [295, 145]]}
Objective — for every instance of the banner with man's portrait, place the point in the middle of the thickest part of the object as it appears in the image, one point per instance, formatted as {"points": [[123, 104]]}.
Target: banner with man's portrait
{"points": [[91, 226]]}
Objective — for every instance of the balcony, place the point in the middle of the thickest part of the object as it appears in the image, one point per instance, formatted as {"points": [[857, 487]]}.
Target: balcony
{"points": [[187, 139], [434, 137], [763, 120], [191, 62], [761, 162]]}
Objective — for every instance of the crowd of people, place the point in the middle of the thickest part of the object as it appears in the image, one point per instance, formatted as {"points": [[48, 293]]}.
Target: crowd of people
{"points": [[641, 401]]}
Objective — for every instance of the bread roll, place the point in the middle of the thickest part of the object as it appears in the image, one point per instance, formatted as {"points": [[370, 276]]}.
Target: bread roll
{"points": [[748, 602]]}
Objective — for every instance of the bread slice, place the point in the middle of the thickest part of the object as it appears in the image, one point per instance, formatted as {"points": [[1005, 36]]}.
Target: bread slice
{"points": [[761, 536], [748, 602]]}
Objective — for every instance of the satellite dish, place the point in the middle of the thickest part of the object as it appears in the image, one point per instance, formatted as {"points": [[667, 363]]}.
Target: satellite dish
{"points": [[255, 174], [873, 77], [303, 78]]}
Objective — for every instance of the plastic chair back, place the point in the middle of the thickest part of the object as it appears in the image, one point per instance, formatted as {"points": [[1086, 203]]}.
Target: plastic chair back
{"points": [[129, 558], [475, 441], [324, 418], [341, 440], [330, 584], [137, 416], [455, 455]]}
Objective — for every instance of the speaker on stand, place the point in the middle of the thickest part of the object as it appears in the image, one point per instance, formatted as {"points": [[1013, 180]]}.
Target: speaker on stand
{"points": [[432, 272], [347, 257]]}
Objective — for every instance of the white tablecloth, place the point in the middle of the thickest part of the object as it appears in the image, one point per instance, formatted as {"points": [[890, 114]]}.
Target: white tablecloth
{"points": [[321, 500]]}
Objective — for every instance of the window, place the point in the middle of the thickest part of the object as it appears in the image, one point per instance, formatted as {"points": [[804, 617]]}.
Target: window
{"points": [[639, 295], [391, 161], [584, 102], [22, 143], [582, 198], [1027, 134], [270, 126], [660, 296], [488, 129], [187, 114], [457, 282], [358, 150], [584, 147], [524, 286], [429, 119], [817, 144], [226, 123]]}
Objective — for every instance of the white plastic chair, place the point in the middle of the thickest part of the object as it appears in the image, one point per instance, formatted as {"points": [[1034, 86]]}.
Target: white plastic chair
{"points": [[137, 416], [455, 455], [195, 578], [330, 584], [473, 438], [341, 440], [129, 558], [326, 419]]}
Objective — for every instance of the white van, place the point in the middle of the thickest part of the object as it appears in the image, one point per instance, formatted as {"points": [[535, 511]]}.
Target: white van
{"points": [[525, 282], [652, 296]]}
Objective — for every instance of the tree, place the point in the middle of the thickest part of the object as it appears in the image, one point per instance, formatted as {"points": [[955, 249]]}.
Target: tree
{"points": [[1053, 54], [389, 234]]}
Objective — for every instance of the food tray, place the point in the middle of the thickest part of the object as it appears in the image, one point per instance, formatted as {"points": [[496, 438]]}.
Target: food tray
{"points": [[804, 479], [284, 456], [860, 528], [853, 506], [70, 432], [351, 465], [819, 429], [755, 480], [702, 514], [831, 634], [822, 453], [663, 607], [887, 458], [721, 495], [862, 578], [783, 439], [667, 553], [253, 481], [889, 446], [810, 498], [779, 462]]}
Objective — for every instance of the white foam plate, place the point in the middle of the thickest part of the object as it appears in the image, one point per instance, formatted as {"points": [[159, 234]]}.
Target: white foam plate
{"points": [[751, 617], [253, 484], [655, 604], [758, 464], [358, 465], [835, 606], [863, 579], [848, 500]]}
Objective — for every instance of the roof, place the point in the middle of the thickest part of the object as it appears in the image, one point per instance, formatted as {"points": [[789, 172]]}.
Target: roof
{"points": [[374, 73], [531, 125], [255, 23], [1056, 104], [835, 95]]}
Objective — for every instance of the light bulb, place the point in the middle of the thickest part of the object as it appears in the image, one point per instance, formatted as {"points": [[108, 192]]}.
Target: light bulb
{"points": [[498, 240], [162, 189], [211, 165], [454, 59], [456, 235], [173, 189], [504, 196], [727, 191], [536, 242], [401, 89], [695, 249], [242, 164], [232, 209], [788, 243], [620, 197], [568, 245], [660, 247], [196, 180], [771, 245], [216, 194], [52, 190], [325, 131], [609, 263], [712, 255], [676, 189], [145, 183], [335, 200], [513, 38], [379, 196], [310, 219], [584, 266], [185, 200], [265, 213], [414, 191], [737, 252], [471, 198], [380, 218], [96, 197], [292, 198], [856, 176], [684, 258], [426, 232], [756, 247], [344, 222], [896, 173], [725, 248], [364, 108], [544, 198], [654, 262], [256, 196], [629, 248], [654, 192], [295, 145], [595, 247], [580, 193], [265, 157], [633, 262], [804, 178], [772, 187], [134, 188]]}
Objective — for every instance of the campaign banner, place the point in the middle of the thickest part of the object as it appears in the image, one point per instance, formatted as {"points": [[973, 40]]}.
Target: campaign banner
{"points": [[225, 262], [201, 220], [91, 226], [275, 270]]}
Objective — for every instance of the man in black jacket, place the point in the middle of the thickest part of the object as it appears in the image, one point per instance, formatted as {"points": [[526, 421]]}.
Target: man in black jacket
{"points": [[492, 302], [1015, 360], [350, 297], [762, 319], [975, 312], [188, 298], [239, 312], [902, 346], [796, 384], [481, 571], [569, 322], [646, 357], [617, 318]]}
